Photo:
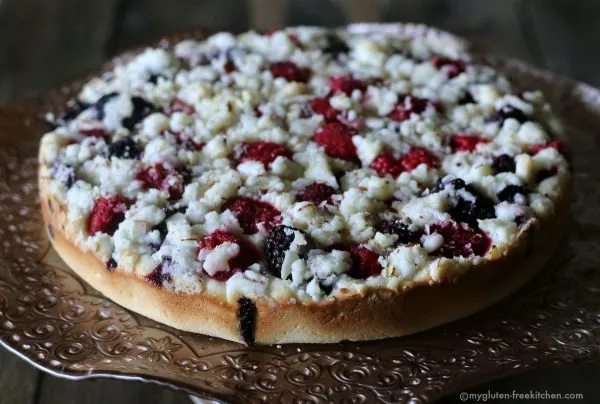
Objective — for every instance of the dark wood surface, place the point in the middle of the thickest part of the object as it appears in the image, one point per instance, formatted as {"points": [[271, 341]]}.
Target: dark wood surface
{"points": [[45, 42]]}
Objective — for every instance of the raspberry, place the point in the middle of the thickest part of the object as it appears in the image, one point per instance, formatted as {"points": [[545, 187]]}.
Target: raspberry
{"points": [[125, 148], [364, 262], [337, 141], [465, 142], [160, 177], [277, 244], [405, 236], [460, 241], [250, 213], [322, 107], [504, 164], [94, 132], [248, 253], [510, 191], [178, 105], [346, 84], [106, 215], [555, 144], [467, 211], [507, 112], [290, 71], [141, 109], [455, 67], [417, 156], [386, 164], [265, 152], [408, 105], [316, 193]]}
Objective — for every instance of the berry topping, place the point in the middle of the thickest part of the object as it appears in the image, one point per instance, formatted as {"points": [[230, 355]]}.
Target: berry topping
{"points": [[507, 112], [471, 209], [408, 105], [337, 141], [265, 152], [317, 193], [106, 215], [162, 226], [346, 84], [251, 212], [187, 141], [290, 71], [166, 179], [73, 108], [467, 98], [386, 164], [335, 46], [555, 144], [102, 101], [246, 256], [322, 107], [453, 67], [544, 174], [94, 132], [111, 264], [157, 277], [405, 236], [465, 142], [125, 148], [460, 241], [364, 262], [417, 156], [442, 183], [279, 242], [509, 193], [504, 164], [141, 109], [178, 105]]}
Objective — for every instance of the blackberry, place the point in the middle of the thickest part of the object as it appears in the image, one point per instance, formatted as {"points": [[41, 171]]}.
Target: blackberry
{"points": [[141, 109], [74, 107], [442, 183], [102, 101], [157, 277], [278, 243], [111, 264], [125, 148], [507, 112], [325, 288], [510, 191], [467, 211], [65, 173], [335, 46], [503, 164], [405, 236], [467, 98]]}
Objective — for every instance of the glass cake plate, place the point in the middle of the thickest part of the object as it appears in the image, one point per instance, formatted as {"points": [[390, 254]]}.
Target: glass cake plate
{"points": [[52, 319]]}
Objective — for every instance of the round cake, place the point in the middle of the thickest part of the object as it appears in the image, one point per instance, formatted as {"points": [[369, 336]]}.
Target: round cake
{"points": [[305, 184]]}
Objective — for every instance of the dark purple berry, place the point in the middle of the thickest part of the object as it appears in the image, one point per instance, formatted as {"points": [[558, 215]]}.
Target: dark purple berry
{"points": [[74, 107], [335, 46], [543, 174], [102, 101], [278, 243], [157, 277], [442, 183], [141, 109], [467, 98], [153, 78], [111, 264], [124, 148], [503, 164], [247, 314], [405, 236], [467, 211], [507, 112], [510, 191], [325, 288]]}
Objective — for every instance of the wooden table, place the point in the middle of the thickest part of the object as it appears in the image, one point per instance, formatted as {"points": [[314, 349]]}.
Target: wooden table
{"points": [[45, 42]]}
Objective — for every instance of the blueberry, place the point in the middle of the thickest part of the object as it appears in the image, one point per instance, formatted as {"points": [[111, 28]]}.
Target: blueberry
{"points": [[102, 101], [335, 46], [125, 148], [278, 243], [507, 112], [141, 109], [503, 164], [111, 264], [510, 191], [468, 211], [400, 229]]}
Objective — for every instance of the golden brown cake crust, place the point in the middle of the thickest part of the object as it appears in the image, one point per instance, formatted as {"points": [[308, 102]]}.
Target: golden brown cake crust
{"points": [[380, 313]]}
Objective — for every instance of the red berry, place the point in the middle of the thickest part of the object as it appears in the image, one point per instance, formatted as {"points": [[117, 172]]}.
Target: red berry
{"points": [[465, 142], [460, 240], [555, 144], [106, 215], [247, 256], [159, 177], [417, 156], [337, 141], [178, 105], [346, 84], [250, 213], [322, 107], [364, 262], [411, 105], [290, 71], [455, 67], [265, 152], [94, 132], [186, 141], [386, 164], [316, 193]]}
